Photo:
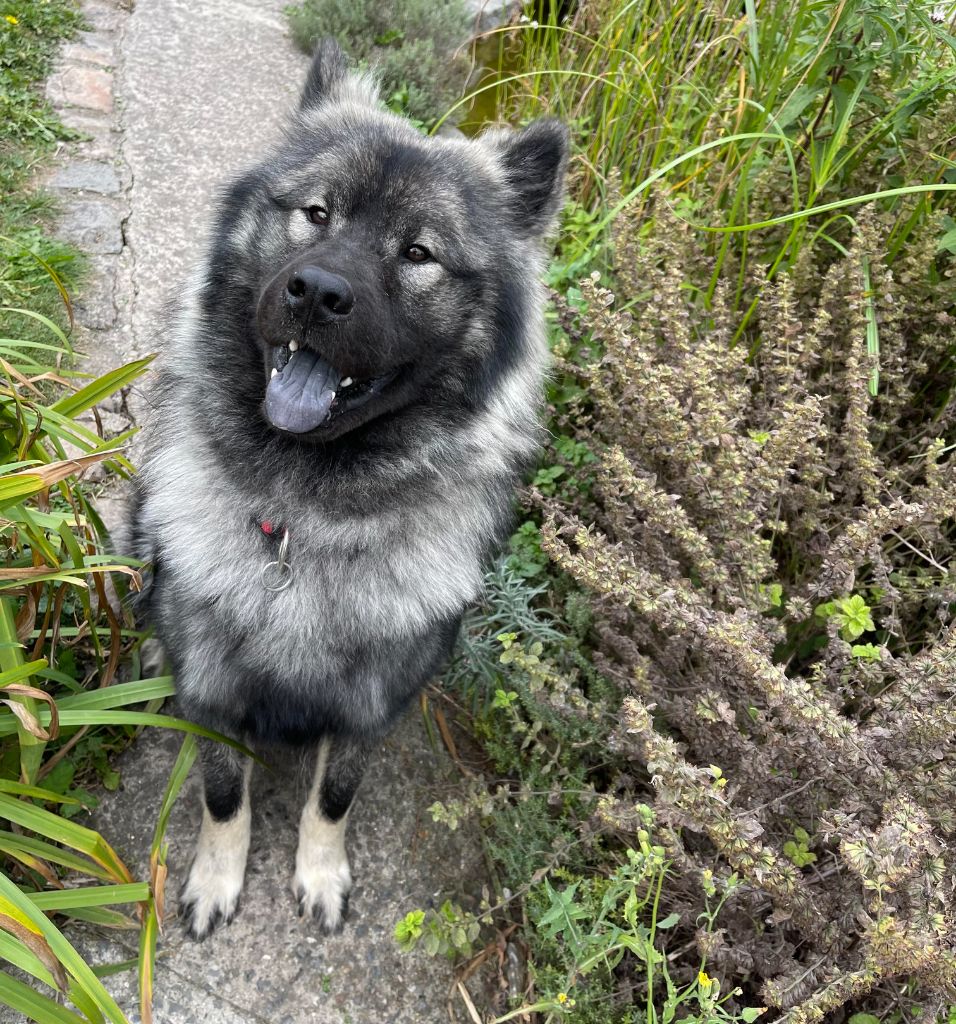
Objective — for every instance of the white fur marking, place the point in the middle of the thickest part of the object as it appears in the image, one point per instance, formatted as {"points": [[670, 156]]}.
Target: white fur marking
{"points": [[219, 866], [322, 876], [301, 229]]}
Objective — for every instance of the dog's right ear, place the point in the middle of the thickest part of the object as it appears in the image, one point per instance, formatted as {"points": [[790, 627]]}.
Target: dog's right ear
{"points": [[331, 78]]}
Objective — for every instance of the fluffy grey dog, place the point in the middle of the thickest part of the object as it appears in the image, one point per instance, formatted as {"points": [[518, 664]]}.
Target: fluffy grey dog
{"points": [[349, 397]]}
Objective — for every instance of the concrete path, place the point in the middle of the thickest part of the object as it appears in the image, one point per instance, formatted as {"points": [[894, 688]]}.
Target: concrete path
{"points": [[174, 97]]}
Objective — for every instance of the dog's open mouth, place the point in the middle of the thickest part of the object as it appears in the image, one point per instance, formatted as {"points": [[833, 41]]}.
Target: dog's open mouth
{"points": [[305, 391]]}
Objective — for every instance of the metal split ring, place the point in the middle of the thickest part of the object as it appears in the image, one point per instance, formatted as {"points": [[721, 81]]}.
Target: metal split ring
{"points": [[283, 570]]}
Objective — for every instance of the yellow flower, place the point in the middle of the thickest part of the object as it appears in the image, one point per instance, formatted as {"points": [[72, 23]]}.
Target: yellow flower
{"points": [[704, 979], [12, 20], [562, 997]]}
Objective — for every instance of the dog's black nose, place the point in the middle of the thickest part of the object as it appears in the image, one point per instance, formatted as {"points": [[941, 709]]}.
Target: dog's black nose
{"points": [[323, 294]]}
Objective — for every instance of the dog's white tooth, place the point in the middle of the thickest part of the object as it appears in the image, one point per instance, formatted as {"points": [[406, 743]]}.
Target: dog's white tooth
{"points": [[293, 346], [274, 371], [345, 382]]}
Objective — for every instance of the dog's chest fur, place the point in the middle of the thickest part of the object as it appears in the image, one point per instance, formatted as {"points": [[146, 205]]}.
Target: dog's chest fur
{"points": [[357, 582]]}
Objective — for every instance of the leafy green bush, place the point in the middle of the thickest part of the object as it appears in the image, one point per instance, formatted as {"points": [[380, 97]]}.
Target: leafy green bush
{"points": [[543, 715], [413, 45]]}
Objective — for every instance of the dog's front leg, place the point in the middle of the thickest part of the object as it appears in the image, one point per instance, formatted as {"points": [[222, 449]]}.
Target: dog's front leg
{"points": [[322, 876], [211, 894]]}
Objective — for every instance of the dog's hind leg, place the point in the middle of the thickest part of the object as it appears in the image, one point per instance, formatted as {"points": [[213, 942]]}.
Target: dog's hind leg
{"points": [[322, 876], [211, 894]]}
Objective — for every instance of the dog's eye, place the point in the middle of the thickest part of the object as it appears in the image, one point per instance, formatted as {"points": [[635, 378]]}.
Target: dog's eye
{"points": [[417, 254], [317, 214]]}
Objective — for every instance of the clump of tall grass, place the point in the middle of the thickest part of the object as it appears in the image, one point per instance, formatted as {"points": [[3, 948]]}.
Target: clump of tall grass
{"points": [[743, 111], [62, 646]]}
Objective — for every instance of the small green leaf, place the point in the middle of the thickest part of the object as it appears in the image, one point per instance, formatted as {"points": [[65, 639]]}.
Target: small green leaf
{"points": [[947, 241], [867, 651], [408, 931], [853, 614]]}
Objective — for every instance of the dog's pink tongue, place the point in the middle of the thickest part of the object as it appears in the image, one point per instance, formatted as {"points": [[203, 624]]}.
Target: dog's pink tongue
{"points": [[299, 398]]}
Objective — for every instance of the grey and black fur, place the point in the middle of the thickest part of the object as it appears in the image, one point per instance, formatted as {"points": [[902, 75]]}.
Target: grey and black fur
{"points": [[410, 265]]}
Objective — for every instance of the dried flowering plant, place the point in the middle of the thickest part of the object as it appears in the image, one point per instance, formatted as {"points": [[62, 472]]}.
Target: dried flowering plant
{"points": [[766, 539]]}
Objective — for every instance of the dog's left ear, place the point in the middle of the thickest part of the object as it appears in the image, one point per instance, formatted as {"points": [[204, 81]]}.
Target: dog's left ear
{"points": [[535, 160], [331, 78]]}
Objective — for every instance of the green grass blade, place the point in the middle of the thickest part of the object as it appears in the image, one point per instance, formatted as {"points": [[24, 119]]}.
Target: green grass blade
{"points": [[101, 388], [45, 320], [11, 843], [872, 328], [36, 793], [68, 719], [116, 696], [105, 918], [60, 830], [16, 953], [146, 962], [838, 204], [65, 953], [184, 761], [90, 896], [108, 970], [34, 1005], [15, 675], [11, 661]]}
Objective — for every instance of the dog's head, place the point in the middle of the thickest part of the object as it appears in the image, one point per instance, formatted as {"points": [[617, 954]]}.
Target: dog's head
{"points": [[386, 264]]}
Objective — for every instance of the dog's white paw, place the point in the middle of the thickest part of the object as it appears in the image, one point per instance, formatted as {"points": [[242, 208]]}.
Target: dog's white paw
{"points": [[210, 896], [322, 877]]}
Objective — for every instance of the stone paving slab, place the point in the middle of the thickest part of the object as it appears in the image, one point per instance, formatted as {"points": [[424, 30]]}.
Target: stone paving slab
{"points": [[86, 176], [79, 86], [93, 225]]}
